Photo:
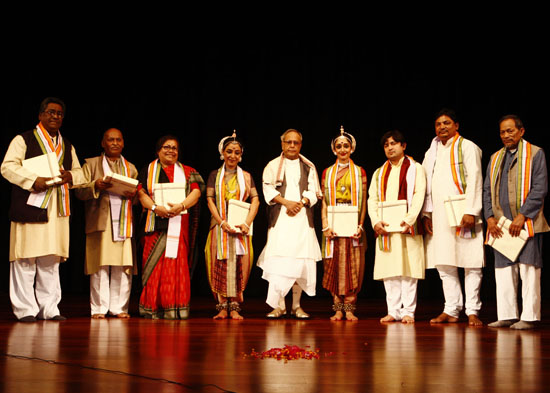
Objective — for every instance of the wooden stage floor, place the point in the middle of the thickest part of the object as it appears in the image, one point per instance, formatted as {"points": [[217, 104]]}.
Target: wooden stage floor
{"points": [[139, 355]]}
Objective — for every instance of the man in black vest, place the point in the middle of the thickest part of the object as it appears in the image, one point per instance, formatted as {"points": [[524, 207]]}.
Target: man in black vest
{"points": [[291, 189], [39, 214]]}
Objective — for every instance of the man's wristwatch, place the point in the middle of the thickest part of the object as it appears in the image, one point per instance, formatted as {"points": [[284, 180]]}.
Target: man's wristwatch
{"points": [[153, 207], [304, 201]]}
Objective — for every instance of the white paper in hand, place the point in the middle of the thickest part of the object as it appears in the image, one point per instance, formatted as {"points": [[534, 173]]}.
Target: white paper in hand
{"points": [[237, 211], [165, 193], [507, 245], [343, 220], [45, 165], [392, 213]]}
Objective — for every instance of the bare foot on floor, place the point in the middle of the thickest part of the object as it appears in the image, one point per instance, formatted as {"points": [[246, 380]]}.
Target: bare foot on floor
{"points": [[98, 316], [444, 318], [337, 316], [235, 315], [123, 315], [387, 318], [221, 315], [473, 320], [407, 319], [350, 316]]}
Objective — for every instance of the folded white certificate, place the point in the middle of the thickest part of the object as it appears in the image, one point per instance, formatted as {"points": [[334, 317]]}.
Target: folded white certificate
{"points": [[45, 165], [454, 207], [343, 220], [392, 213], [165, 193], [120, 183], [237, 211], [507, 245]]}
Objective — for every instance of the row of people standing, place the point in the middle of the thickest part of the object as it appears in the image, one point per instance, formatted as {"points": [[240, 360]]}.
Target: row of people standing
{"points": [[451, 166], [514, 187], [39, 232], [291, 189]]}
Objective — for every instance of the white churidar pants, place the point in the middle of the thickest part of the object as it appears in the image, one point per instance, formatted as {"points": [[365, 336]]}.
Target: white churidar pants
{"points": [[401, 296], [507, 292], [110, 294], [452, 290], [38, 299]]}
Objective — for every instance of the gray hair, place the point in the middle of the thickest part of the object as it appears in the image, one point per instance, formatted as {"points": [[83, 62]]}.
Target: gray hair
{"points": [[289, 131]]}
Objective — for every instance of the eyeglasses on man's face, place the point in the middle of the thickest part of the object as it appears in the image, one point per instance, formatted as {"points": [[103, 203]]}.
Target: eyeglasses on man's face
{"points": [[53, 113]]}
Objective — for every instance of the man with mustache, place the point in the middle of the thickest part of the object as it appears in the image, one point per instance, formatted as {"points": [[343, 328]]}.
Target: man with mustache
{"points": [[110, 259], [399, 259], [39, 215], [515, 187], [453, 167]]}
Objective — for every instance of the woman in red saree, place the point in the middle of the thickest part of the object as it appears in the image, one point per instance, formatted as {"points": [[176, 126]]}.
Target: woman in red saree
{"points": [[170, 233]]}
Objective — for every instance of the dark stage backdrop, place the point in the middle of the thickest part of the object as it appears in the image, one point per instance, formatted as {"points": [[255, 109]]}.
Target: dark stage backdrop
{"points": [[201, 91]]}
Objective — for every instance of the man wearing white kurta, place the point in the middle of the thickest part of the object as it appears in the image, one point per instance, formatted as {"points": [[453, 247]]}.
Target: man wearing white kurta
{"points": [[39, 232], [399, 257], [453, 166], [291, 188], [109, 247]]}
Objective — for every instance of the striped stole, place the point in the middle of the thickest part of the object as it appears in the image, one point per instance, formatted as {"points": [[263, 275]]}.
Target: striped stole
{"points": [[42, 199], [356, 188], [174, 223], [523, 185], [459, 178], [121, 208], [407, 181], [153, 175], [223, 238]]}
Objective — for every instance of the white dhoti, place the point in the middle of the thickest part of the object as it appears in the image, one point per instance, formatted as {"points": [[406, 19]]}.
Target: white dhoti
{"points": [[280, 282], [292, 248], [289, 257]]}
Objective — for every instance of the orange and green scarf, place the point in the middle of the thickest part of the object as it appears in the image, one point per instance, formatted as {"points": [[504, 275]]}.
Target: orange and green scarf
{"points": [[523, 185], [42, 199]]}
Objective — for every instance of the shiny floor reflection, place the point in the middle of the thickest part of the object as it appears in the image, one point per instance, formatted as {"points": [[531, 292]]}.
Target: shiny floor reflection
{"points": [[200, 354]]}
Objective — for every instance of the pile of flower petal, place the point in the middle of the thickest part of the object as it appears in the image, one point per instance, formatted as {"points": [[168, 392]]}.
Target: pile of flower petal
{"points": [[288, 352]]}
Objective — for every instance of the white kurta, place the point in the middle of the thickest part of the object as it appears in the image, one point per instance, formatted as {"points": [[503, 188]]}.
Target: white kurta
{"points": [[29, 240], [406, 255], [292, 248], [444, 247]]}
